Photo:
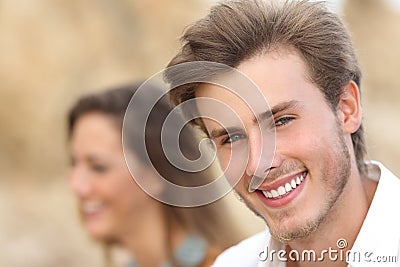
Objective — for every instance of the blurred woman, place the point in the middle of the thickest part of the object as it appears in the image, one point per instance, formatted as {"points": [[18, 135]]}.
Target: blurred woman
{"points": [[115, 210]]}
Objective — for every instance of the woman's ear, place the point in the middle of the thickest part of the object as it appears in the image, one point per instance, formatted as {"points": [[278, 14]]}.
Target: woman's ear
{"points": [[349, 108]]}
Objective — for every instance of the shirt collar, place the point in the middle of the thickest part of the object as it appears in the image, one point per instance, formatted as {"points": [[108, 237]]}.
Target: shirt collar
{"points": [[379, 235], [271, 245]]}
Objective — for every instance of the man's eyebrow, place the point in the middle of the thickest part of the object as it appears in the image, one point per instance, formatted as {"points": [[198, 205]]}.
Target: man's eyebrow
{"points": [[278, 108], [215, 133]]}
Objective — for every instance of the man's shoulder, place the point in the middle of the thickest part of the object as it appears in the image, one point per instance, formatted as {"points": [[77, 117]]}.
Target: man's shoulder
{"points": [[244, 253]]}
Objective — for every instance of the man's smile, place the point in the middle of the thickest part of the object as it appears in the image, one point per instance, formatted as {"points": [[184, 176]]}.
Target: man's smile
{"points": [[282, 191]]}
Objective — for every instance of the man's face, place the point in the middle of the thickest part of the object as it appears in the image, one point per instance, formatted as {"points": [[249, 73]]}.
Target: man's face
{"points": [[311, 164]]}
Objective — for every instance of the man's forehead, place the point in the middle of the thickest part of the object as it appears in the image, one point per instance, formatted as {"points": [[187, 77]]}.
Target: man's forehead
{"points": [[270, 73], [218, 92], [225, 110], [220, 99]]}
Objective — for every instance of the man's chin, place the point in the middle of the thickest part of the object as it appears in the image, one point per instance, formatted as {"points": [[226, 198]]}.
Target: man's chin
{"points": [[289, 234]]}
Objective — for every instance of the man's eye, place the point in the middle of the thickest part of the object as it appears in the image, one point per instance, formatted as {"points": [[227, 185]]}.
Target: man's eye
{"points": [[283, 121], [233, 138]]}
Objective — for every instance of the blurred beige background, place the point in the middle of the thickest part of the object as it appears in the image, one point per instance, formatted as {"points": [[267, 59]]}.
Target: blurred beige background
{"points": [[52, 51]]}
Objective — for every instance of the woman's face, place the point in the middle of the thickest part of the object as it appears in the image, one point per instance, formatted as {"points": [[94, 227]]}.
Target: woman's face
{"points": [[109, 199]]}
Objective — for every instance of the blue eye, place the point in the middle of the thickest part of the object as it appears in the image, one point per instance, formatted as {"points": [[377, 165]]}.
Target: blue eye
{"points": [[233, 138], [283, 121]]}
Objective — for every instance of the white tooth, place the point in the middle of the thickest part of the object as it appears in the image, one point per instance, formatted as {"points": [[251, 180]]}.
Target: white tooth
{"points": [[269, 194], [288, 188], [91, 206], [298, 180], [301, 178], [281, 190], [265, 194], [293, 184], [274, 193]]}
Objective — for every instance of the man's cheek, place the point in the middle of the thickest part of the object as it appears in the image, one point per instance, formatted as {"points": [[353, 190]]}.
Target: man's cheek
{"points": [[224, 158], [233, 167]]}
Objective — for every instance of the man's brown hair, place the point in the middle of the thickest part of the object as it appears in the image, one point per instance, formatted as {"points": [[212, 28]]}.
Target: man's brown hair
{"points": [[237, 30]]}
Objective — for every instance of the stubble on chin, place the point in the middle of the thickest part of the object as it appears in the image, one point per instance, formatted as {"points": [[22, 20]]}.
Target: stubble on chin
{"points": [[302, 232]]}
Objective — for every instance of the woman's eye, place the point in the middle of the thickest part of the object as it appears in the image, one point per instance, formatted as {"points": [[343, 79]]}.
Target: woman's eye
{"points": [[72, 162], [99, 168], [233, 138], [283, 121]]}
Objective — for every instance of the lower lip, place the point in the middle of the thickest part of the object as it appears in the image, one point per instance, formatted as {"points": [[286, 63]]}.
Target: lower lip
{"points": [[280, 202], [92, 214]]}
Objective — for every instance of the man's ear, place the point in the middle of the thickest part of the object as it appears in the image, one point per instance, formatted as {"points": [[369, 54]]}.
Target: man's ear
{"points": [[349, 108]]}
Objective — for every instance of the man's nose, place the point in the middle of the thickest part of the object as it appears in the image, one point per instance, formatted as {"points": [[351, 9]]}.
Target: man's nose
{"points": [[262, 158], [261, 154]]}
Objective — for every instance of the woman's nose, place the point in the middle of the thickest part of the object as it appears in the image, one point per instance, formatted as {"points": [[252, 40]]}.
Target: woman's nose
{"points": [[80, 182]]}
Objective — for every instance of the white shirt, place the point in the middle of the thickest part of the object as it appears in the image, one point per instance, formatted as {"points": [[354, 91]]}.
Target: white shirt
{"points": [[377, 241]]}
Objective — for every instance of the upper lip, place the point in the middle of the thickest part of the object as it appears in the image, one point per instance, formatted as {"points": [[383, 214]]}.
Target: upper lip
{"points": [[281, 181]]}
